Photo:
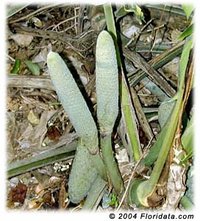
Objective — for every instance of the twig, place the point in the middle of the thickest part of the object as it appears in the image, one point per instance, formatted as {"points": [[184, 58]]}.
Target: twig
{"points": [[67, 29], [76, 15], [60, 36], [136, 38], [141, 116], [132, 174], [12, 59], [62, 22], [34, 13], [39, 82], [129, 182], [26, 81], [53, 34]]}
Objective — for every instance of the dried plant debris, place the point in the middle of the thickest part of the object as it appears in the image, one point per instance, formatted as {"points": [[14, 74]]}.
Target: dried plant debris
{"points": [[175, 186], [17, 194], [151, 39]]}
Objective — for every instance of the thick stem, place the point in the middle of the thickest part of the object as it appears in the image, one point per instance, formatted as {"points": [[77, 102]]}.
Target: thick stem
{"points": [[167, 143], [110, 22], [110, 163], [130, 120]]}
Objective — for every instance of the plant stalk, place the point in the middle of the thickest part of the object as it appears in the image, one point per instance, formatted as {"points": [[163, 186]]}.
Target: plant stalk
{"points": [[110, 163]]}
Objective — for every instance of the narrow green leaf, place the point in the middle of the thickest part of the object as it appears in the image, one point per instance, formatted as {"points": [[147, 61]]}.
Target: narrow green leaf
{"points": [[16, 67], [110, 22], [34, 68], [165, 110], [130, 121], [155, 149], [184, 62], [187, 141], [42, 159], [188, 9], [186, 33]]}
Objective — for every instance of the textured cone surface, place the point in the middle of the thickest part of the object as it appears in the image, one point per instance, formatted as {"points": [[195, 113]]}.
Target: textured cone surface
{"points": [[107, 82], [82, 175], [71, 98]]}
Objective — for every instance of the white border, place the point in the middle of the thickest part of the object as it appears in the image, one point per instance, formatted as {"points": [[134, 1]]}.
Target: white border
{"points": [[54, 215]]}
